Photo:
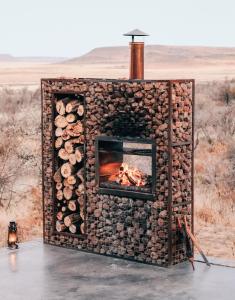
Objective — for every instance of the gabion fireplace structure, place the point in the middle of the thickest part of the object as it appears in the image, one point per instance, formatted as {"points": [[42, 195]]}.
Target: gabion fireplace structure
{"points": [[118, 166]]}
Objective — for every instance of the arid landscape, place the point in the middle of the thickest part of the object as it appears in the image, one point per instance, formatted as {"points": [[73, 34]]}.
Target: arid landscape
{"points": [[20, 136]]}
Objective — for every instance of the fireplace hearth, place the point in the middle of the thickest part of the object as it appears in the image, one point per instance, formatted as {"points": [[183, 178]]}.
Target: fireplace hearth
{"points": [[126, 166]]}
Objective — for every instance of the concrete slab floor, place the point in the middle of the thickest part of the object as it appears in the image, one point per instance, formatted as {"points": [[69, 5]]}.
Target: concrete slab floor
{"points": [[44, 272]]}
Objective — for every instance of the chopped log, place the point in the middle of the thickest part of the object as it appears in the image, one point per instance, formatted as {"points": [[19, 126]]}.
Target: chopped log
{"points": [[58, 142], [60, 121], [64, 209], [77, 228], [72, 159], [80, 110], [59, 185], [72, 106], [80, 200], [79, 153], [71, 118], [60, 107], [61, 215], [59, 195], [57, 176], [68, 146], [68, 193], [63, 154], [66, 183], [82, 214], [80, 175], [71, 180], [72, 205], [58, 132], [80, 190], [60, 226], [66, 170], [65, 135], [75, 129], [82, 228], [71, 219]]}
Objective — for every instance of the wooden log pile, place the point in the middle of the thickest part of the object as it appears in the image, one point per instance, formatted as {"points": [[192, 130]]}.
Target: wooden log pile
{"points": [[69, 162]]}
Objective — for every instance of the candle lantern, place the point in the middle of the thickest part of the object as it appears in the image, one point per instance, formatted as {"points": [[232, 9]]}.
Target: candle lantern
{"points": [[12, 235]]}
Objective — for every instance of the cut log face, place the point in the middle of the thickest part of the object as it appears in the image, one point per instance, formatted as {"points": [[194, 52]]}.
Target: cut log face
{"points": [[58, 142], [68, 146], [71, 180], [58, 132], [63, 154], [68, 193], [75, 129], [66, 170], [79, 153], [72, 205], [72, 106], [72, 159], [61, 215], [57, 176], [60, 121], [71, 219], [65, 136], [60, 107], [59, 195], [71, 118], [80, 110], [60, 226], [59, 185]]}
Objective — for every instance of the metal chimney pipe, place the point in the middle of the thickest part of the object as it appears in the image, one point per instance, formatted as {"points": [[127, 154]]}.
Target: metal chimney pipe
{"points": [[137, 55], [137, 60]]}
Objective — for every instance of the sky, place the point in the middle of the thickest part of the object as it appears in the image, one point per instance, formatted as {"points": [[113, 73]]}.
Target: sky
{"points": [[70, 28]]}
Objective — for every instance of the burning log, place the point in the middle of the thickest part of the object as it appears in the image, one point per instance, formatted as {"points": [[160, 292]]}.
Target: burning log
{"points": [[60, 107], [72, 106], [60, 226], [66, 170], [60, 121], [71, 219]]}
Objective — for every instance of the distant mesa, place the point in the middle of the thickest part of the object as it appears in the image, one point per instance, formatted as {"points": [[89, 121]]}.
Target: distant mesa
{"points": [[158, 54], [43, 59]]}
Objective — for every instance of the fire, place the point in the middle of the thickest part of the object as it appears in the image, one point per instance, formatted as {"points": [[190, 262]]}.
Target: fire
{"points": [[128, 176]]}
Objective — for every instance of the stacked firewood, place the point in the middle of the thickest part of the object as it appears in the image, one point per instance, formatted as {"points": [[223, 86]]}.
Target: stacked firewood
{"points": [[69, 165]]}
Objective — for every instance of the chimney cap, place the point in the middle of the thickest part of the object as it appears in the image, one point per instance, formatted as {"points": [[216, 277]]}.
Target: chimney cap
{"points": [[136, 32]]}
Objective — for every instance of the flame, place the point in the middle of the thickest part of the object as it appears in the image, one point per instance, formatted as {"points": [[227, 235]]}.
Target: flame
{"points": [[125, 175]]}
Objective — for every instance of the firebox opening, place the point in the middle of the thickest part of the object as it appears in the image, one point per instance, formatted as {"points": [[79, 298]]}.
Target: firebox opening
{"points": [[126, 166]]}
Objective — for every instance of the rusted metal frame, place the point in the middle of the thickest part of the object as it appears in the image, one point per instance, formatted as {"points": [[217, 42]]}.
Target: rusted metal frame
{"points": [[182, 203], [192, 159], [42, 153], [170, 175]]}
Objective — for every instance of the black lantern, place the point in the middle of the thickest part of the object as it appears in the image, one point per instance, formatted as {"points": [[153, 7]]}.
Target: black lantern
{"points": [[12, 235]]}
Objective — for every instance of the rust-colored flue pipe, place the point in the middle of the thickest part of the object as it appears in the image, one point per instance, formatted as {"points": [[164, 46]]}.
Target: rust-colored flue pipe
{"points": [[137, 55]]}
